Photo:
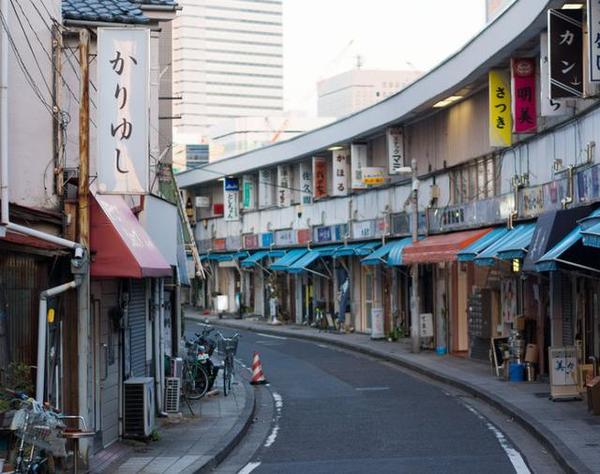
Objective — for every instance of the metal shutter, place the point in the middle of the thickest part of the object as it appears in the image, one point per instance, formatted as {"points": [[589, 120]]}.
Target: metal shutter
{"points": [[568, 320], [137, 328]]}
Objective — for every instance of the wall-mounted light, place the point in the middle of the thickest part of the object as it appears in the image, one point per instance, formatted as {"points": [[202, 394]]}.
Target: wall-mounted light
{"points": [[572, 6], [335, 148], [516, 265], [447, 101]]}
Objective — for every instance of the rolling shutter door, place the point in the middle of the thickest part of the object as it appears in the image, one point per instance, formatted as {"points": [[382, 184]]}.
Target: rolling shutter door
{"points": [[137, 328]]}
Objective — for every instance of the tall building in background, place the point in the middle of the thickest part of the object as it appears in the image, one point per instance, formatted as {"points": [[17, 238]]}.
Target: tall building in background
{"points": [[227, 63], [351, 91]]}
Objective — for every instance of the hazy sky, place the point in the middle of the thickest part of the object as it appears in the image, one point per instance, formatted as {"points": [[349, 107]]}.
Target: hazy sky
{"points": [[323, 37]]}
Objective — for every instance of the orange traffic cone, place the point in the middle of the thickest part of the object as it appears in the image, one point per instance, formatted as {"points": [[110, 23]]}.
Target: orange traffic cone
{"points": [[258, 377]]}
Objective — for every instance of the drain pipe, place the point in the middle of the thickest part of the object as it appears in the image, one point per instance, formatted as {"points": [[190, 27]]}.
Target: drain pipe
{"points": [[157, 350], [161, 334]]}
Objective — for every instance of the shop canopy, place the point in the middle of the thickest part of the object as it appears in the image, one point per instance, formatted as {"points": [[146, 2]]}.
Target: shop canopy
{"points": [[396, 252], [591, 231], [572, 251], [256, 258], [282, 264], [302, 264], [472, 251], [226, 257], [359, 249], [380, 255], [511, 245], [120, 245], [441, 248]]}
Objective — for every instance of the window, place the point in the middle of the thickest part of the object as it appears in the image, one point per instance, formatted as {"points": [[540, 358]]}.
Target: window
{"points": [[475, 180]]}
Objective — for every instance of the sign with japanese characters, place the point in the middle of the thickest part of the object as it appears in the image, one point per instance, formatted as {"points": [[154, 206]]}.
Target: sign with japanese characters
{"points": [[284, 183], [500, 108], [231, 191], [285, 237], [306, 183], [340, 163], [566, 53], [358, 158], [395, 149], [548, 106], [593, 19], [248, 192], [250, 241], [373, 176], [524, 95], [123, 103], [266, 239], [319, 177], [266, 187]]}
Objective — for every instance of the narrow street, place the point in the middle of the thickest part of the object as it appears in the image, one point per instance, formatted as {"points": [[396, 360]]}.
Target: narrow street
{"points": [[342, 412]]}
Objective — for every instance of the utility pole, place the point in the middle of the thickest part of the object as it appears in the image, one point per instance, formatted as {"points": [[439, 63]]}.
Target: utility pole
{"points": [[83, 228], [414, 307]]}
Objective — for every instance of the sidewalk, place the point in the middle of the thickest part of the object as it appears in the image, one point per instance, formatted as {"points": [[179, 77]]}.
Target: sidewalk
{"points": [[564, 428], [187, 444]]}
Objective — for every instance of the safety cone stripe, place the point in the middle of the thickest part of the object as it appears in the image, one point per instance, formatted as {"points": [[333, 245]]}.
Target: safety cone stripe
{"points": [[258, 376]]}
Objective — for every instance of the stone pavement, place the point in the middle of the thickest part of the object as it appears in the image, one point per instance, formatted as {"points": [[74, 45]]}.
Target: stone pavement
{"points": [[188, 443], [566, 429]]}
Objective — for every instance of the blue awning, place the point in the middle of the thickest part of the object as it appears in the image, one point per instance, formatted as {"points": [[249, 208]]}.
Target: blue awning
{"points": [[511, 245], [591, 231], [395, 254], [302, 264], [366, 249], [284, 262], [360, 249], [469, 253], [225, 257], [379, 256], [256, 257]]}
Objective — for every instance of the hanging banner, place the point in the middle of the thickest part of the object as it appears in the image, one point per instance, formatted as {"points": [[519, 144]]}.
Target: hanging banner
{"points": [[339, 180], [500, 109], [548, 107], [565, 51], [231, 190], [248, 192], [524, 95], [284, 197], [319, 177], [306, 183], [266, 188], [395, 149], [358, 161], [593, 24], [123, 95]]}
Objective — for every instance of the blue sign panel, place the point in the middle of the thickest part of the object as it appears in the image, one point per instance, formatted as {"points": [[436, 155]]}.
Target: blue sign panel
{"points": [[266, 239]]}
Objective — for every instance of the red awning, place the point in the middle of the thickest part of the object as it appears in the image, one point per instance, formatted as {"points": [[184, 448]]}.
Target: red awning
{"points": [[120, 245], [440, 248]]}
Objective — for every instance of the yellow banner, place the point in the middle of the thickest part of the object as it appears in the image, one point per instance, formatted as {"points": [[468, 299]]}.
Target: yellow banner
{"points": [[500, 113]]}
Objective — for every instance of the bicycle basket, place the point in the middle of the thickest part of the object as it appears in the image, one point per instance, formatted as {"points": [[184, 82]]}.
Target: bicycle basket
{"points": [[42, 429], [227, 345]]}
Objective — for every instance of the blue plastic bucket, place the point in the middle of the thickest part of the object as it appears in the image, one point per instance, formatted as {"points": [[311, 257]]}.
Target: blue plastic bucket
{"points": [[516, 372]]}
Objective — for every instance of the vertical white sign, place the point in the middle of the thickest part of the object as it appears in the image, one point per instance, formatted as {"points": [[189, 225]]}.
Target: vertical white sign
{"points": [[395, 149], [266, 187], [231, 201], [306, 184], [593, 19], [284, 197], [123, 104], [340, 172], [548, 107], [358, 159]]}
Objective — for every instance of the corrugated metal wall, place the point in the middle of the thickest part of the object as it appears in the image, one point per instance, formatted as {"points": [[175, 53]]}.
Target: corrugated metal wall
{"points": [[137, 328]]}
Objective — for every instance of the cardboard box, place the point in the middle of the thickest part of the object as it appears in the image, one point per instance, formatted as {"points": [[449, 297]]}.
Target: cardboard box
{"points": [[531, 353]]}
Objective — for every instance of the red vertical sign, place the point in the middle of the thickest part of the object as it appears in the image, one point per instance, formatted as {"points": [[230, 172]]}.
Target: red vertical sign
{"points": [[524, 95], [319, 177]]}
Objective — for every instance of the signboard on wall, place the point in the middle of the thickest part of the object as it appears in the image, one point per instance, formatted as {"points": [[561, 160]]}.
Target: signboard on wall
{"points": [[358, 161], [524, 97], [250, 241], [123, 105], [306, 183], [395, 149], [266, 187], [339, 179], [266, 239], [565, 50], [548, 106], [284, 195], [285, 237], [500, 121], [231, 192], [219, 244], [248, 192], [593, 23], [319, 177], [202, 201], [303, 236]]}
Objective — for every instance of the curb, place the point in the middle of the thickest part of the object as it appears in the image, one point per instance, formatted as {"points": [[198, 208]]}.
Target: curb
{"points": [[561, 453], [227, 444]]}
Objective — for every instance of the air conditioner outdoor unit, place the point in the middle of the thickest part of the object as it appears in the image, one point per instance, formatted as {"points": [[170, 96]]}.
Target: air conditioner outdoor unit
{"points": [[172, 389], [176, 367], [138, 407]]}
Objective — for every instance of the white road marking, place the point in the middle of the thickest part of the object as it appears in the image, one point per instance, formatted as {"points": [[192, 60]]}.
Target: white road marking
{"points": [[513, 455], [248, 468], [371, 389], [275, 431], [271, 336], [323, 346]]}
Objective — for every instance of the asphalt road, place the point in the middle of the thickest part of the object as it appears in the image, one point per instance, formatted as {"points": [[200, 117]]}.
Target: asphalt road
{"points": [[338, 412]]}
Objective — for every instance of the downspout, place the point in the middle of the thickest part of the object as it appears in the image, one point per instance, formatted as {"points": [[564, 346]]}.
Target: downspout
{"points": [[4, 220], [157, 340], [162, 339]]}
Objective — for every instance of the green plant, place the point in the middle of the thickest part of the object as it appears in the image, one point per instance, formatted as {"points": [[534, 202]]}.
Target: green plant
{"points": [[18, 377], [155, 435]]}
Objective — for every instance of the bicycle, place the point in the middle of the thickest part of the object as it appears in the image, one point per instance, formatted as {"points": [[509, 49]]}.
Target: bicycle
{"points": [[195, 380], [227, 347]]}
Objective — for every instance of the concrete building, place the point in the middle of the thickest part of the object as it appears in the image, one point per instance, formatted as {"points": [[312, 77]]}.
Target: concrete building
{"points": [[351, 91], [488, 241], [236, 136], [186, 157], [227, 63], [493, 8]]}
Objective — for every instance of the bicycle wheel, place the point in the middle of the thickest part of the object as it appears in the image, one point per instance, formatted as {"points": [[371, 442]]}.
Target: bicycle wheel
{"points": [[195, 382], [226, 374]]}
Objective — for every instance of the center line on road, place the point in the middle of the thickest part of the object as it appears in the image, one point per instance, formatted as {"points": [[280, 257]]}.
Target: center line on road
{"points": [[370, 389], [270, 335], [248, 468]]}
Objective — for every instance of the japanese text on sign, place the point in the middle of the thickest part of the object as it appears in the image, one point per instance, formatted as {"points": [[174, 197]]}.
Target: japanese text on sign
{"points": [[500, 109], [565, 53], [283, 186], [524, 95], [306, 182], [395, 147], [340, 160], [319, 177], [231, 189]]}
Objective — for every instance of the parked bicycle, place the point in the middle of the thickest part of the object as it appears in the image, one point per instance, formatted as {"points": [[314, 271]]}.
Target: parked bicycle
{"points": [[195, 381], [227, 349]]}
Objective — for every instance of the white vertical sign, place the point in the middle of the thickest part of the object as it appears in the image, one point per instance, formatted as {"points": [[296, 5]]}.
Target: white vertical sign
{"points": [[123, 104], [358, 161], [231, 204], [340, 172], [306, 184], [266, 187], [395, 149], [593, 19], [284, 196], [548, 107]]}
